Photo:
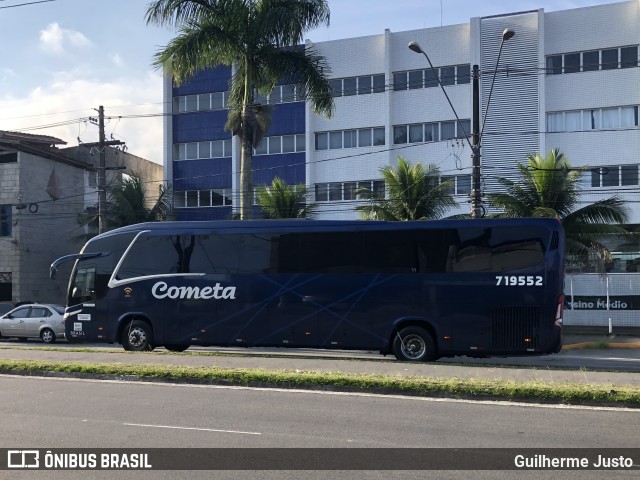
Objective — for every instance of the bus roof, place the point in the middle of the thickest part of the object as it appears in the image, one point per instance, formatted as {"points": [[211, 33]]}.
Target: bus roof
{"points": [[306, 225]]}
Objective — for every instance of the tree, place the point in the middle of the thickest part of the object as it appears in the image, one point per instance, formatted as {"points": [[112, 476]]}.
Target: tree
{"points": [[259, 39], [281, 200], [548, 187], [413, 192], [127, 204]]}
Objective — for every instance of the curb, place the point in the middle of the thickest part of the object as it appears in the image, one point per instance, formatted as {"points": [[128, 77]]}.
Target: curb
{"points": [[599, 345]]}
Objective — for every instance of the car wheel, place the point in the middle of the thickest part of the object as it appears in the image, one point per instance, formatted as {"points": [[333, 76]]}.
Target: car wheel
{"points": [[47, 335], [176, 348], [137, 337], [414, 344]]}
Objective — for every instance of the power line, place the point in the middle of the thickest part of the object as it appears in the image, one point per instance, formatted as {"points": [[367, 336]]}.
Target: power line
{"points": [[28, 3]]}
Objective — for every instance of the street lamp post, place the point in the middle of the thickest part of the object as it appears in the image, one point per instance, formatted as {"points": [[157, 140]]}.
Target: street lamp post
{"points": [[476, 136]]}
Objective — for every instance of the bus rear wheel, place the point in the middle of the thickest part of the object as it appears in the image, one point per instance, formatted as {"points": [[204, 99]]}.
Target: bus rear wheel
{"points": [[176, 348], [414, 344], [137, 337]]}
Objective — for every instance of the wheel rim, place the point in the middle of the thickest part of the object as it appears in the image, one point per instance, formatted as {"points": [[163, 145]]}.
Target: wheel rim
{"points": [[413, 346], [137, 337], [47, 336]]}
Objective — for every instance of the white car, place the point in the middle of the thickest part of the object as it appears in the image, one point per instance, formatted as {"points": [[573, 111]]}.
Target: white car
{"points": [[34, 321]]}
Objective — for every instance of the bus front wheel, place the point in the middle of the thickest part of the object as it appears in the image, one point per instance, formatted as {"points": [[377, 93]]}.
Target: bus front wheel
{"points": [[137, 337], [414, 344]]}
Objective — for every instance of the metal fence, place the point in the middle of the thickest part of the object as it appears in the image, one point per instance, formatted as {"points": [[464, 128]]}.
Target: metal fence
{"points": [[611, 300]]}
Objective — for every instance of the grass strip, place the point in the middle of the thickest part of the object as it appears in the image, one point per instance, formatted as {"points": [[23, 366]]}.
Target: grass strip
{"points": [[552, 392]]}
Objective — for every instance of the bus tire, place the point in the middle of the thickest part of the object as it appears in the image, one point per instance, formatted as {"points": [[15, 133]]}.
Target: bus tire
{"points": [[137, 336], [176, 348], [414, 344]]}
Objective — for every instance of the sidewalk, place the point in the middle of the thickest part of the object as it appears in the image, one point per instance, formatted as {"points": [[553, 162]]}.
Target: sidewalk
{"points": [[577, 337]]}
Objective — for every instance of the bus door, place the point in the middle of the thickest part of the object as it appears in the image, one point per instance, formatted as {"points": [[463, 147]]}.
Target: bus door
{"points": [[82, 297]]}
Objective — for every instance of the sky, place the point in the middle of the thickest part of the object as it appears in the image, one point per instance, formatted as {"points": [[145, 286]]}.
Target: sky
{"points": [[61, 59]]}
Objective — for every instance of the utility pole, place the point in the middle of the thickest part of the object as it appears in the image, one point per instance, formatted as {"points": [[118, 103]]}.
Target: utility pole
{"points": [[476, 194], [102, 184]]}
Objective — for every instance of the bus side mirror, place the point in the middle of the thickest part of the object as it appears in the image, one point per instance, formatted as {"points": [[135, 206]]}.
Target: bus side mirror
{"points": [[52, 272]]}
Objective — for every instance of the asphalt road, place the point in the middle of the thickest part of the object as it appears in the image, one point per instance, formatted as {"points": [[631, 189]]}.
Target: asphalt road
{"points": [[615, 359], [71, 413]]}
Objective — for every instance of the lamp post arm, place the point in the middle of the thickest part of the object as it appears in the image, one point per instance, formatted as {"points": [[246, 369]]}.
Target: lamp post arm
{"points": [[435, 73], [493, 81]]}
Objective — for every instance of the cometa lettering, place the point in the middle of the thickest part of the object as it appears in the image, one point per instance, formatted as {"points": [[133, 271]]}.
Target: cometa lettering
{"points": [[161, 290]]}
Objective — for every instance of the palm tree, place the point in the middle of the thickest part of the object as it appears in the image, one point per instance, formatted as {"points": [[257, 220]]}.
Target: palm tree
{"points": [[414, 192], [281, 200], [259, 39], [127, 204], [548, 187]]}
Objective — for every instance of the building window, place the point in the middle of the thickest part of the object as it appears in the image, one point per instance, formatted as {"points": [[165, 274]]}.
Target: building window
{"points": [[344, 191], [350, 138], [415, 79], [201, 102], [462, 128], [202, 150], [400, 135], [447, 130], [416, 133], [400, 81], [336, 87], [335, 140], [628, 57], [462, 74], [614, 176], [378, 83], [572, 63], [202, 198], [364, 85], [605, 59], [448, 75], [426, 78], [593, 119], [349, 87], [430, 132], [363, 137], [322, 141], [5, 220], [609, 59], [554, 64], [378, 136], [277, 144], [590, 61], [459, 184]]}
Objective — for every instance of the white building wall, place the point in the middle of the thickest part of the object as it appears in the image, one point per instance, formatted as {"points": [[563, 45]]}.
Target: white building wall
{"points": [[591, 28], [516, 122]]}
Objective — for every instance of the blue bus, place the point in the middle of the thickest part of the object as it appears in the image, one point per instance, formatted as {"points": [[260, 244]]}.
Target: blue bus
{"points": [[420, 290]]}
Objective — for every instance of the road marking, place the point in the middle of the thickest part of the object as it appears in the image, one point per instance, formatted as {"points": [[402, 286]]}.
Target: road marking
{"points": [[190, 428], [504, 403]]}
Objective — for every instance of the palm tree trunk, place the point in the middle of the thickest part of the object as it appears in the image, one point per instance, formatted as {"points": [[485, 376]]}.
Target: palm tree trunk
{"points": [[246, 158]]}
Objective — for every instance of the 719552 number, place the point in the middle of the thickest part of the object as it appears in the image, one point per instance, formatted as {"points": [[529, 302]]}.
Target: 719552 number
{"points": [[519, 280]]}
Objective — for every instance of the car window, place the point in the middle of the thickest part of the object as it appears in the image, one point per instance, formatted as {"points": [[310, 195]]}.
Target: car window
{"points": [[58, 309], [39, 312], [20, 313]]}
